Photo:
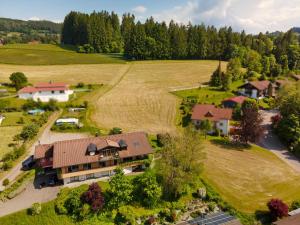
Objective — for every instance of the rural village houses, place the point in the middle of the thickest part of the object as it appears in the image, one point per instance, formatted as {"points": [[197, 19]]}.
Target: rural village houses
{"points": [[46, 91], [88, 158], [218, 116]]}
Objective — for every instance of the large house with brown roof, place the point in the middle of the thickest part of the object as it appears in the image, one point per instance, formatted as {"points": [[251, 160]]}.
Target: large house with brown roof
{"points": [[46, 91], [256, 89], [218, 116], [88, 158]]}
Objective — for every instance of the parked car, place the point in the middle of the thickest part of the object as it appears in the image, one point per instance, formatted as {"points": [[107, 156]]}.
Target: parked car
{"points": [[28, 163]]}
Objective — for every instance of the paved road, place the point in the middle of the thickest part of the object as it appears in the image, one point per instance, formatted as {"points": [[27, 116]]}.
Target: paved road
{"points": [[270, 141]]}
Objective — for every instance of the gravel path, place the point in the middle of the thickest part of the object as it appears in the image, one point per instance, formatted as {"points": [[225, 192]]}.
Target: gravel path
{"points": [[271, 142]]}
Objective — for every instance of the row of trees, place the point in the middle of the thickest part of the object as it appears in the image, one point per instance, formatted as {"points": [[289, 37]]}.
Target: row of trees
{"points": [[287, 124], [263, 53]]}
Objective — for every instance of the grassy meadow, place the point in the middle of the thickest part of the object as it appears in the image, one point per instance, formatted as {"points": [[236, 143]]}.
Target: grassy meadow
{"points": [[249, 178], [46, 54]]}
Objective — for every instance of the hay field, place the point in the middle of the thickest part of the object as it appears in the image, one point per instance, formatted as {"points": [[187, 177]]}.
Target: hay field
{"points": [[248, 179], [141, 100], [71, 74], [47, 54]]}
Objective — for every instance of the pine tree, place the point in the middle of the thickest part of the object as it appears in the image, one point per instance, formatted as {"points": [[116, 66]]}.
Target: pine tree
{"points": [[215, 79]]}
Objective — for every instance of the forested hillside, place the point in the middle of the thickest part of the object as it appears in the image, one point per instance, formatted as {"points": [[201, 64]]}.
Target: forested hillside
{"points": [[102, 32], [12, 25], [20, 31]]}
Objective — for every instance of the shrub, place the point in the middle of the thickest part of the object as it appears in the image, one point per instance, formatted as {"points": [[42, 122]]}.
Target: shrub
{"points": [[7, 165], [80, 85], [35, 209], [125, 215], [116, 130], [278, 209], [5, 182], [29, 132], [62, 196], [94, 197], [212, 206], [295, 205]]}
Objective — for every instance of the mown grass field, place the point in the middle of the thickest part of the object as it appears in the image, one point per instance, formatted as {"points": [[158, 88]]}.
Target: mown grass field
{"points": [[249, 178], [46, 54], [141, 99]]}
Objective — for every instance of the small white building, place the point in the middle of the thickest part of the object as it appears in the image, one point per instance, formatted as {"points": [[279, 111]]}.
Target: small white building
{"points": [[218, 116], [46, 91], [73, 121], [1, 118]]}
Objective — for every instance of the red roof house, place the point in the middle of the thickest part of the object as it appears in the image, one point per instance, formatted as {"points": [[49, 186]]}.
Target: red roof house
{"points": [[232, 102], [46, 91], [219, 116]]}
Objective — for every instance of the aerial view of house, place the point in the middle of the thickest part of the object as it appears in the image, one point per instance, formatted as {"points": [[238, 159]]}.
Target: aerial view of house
{"points": [[219, 116], [150, 112], [46, 91], [81, 159], [255, 89]]}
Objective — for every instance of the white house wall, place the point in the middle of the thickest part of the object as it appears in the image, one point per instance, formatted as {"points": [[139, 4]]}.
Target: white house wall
{"points": [[45, 96]]}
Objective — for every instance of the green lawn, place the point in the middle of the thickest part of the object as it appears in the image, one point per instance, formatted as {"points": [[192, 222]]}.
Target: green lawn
{"points": [[46, 54], [248, 178], [208, 95], [7, 134]]}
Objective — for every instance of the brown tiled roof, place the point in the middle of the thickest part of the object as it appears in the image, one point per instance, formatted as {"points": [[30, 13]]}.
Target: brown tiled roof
{"points": [[210, 112], [74, 152], [236, 99], [45, 87], [259, 85], [41, 150], [291, 220]]}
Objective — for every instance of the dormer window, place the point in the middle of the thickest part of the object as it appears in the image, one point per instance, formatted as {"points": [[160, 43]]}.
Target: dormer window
{"points": [[123, 145], [91, 149]]}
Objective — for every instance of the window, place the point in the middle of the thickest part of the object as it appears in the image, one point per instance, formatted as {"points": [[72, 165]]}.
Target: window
{"points": [[115, 162], [74, 179], [52, 92], [90, 176], [102, 164], [73, 168], [62, 92], [221, 124], [87, 166]]}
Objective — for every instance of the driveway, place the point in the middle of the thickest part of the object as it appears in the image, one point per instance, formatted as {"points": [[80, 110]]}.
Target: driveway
{"points": [[271, 142]]}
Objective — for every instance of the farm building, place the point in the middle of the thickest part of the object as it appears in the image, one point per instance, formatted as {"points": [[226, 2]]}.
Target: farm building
{"points": [[35, 111], [46, 91], [89, 158], [73, 121], [218, 116], [232, 102], [257, 89]]}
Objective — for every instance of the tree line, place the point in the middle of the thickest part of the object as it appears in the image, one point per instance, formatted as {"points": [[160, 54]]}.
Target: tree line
{"points": [[102, 32]]}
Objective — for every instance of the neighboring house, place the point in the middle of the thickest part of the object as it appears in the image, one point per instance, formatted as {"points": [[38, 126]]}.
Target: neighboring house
{"points": [[88, 158], [232, 102], [46, 91], [257, 89], [219, 116], [1, 118], [72, 121], [280, 83]]}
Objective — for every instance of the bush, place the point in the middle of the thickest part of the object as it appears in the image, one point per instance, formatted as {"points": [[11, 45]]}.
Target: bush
{"points": [[116, 130], [62, 196], [278, 209], [5, 182], [80, 85], [36, 209], [29, 132], [295, 205], [94, 197], [7, 165]]}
